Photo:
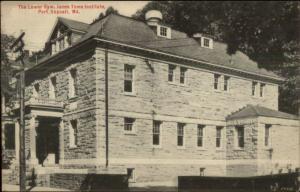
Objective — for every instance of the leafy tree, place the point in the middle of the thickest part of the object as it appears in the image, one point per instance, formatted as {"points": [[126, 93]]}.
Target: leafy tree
{"points": [[267, 31], [109, 10], [6, 64]]}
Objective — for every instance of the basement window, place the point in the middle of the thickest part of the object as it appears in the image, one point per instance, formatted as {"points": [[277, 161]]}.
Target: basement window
{"points": [[131, 174]]}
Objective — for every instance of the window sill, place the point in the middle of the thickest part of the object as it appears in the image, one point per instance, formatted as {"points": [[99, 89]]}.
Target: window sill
{"points": [[220, 149], [201, 149], [239, 149], [172, 83], [131, 94], [156, 146], [130, 133], [180, 147], [74, 98]]}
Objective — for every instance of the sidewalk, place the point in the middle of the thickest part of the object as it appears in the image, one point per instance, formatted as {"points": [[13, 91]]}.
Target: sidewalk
{"points": [[7, 187]]}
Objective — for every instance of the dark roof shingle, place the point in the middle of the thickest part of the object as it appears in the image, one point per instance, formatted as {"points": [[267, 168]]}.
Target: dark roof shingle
{"points": [[133, 32], [256, 110]]}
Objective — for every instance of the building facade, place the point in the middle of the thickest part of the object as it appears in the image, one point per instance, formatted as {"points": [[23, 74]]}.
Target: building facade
{"points": [[121, 96]]}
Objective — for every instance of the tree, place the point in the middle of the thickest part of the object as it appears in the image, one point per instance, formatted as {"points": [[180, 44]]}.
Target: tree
{"points": [[6, 64], [267, 31], [109, 10]]}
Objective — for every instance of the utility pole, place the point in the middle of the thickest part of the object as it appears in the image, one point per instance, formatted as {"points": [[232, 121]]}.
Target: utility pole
{"points": [[18, 46]]}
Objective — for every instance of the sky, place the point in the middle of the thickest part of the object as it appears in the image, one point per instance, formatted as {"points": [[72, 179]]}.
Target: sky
{"points": [[32, 18]]}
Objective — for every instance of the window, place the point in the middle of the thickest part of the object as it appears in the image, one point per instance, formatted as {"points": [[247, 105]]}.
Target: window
{"points": [[226, 83], [73, 83], [205, 42], [180, 134], [267, 134], [219, 136], [262, 87], [240, 136], [52, 88], [9, 136], [200, 134], [254, 84], [156, 133], [128, 125], [73, 133], [130, 174], [36, 90], [128, 78], [171, 73], [182, 75], [163, 31], [216, 82], [202, 169]]}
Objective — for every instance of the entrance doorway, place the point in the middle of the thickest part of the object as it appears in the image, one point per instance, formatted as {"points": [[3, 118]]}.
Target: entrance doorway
{"points": [[47, 141]]}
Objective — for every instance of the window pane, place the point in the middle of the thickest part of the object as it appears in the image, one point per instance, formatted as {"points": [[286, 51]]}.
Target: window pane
{"points": [[253, 88], [180, 140], [128, 124], [216, 81], [156, 132], [127, 86], [171, 73], [180, 134], [226, 80], [182, 74], [218, 142]]}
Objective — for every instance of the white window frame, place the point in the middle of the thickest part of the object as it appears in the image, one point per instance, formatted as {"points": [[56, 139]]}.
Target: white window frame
{"points": [[168, 31], [73, 134], [133, 128], [203, 127], [160, 134], [210, 42]]}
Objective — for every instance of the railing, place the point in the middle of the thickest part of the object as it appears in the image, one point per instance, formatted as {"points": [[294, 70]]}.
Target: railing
{"points": [[43, 102]]}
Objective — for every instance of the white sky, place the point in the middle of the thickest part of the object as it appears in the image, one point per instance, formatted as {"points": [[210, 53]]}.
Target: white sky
{"points": [[38, 26]]}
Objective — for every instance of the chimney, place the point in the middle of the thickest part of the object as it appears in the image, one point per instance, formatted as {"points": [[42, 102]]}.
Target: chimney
{"points": [[153, 17]]}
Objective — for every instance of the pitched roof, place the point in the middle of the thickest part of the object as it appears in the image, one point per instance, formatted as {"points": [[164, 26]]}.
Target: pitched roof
{"points": [[256, 110], [72, 24], [133, 32]]}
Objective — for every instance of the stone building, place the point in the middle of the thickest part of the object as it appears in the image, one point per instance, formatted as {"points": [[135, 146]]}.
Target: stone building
{"points": [[121, 96]]}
